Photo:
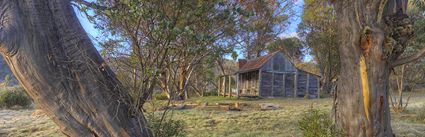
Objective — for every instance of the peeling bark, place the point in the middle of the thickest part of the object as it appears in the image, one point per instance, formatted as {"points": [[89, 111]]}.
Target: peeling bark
{"points": [[55, 61]]}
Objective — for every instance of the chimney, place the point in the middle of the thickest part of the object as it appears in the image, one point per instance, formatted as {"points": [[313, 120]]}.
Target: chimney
{"points": [[241, 62]]}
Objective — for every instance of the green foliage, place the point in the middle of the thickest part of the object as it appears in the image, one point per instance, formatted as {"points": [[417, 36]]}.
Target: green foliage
{"points": [[159, 96], [291, 47], [318, 30], [315, 123], [17, 96], [210, 93], [167, 127], [6, 81], [261, 22]]}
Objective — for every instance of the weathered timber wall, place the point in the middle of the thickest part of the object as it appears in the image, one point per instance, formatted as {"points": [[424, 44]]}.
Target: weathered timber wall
{"points": [[278, 78]]}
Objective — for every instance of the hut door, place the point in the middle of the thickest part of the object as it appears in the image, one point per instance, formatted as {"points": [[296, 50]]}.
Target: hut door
{"points": [[289, 85], [266, 84], [278, 89]]}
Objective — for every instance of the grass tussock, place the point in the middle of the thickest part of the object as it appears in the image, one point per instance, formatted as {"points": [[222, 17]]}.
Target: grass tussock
{"points": [[316, 123], [166, 126], [249, 122], [14, 97]]}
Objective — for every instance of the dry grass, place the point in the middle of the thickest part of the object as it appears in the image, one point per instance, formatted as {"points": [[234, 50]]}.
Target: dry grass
{"points": [[250, 122], [22, 123]]}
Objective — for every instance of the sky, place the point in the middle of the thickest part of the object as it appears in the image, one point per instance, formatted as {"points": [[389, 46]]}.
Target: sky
{"points": [[295, 20], [291, 31], [88, 26]]}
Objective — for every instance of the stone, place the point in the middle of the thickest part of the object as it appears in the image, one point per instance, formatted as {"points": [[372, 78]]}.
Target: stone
{"points": [[269, 106]]}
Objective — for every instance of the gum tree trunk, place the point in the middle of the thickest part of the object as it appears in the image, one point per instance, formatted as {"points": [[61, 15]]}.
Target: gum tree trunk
{"points": [[370, 47], [54, 60]]}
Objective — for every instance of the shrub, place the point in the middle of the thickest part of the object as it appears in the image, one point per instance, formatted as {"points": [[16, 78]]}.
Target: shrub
{"points": [[17, 96], [315, 123], [420, 116], [210, 93], [167, 127], [159, 96]]}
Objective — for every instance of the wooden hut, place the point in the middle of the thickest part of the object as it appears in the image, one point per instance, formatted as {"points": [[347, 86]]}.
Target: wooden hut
{"points": [[275, 76]]}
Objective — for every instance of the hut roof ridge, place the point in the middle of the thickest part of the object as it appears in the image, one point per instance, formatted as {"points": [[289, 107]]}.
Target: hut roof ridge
{"points": [[256, 63]]}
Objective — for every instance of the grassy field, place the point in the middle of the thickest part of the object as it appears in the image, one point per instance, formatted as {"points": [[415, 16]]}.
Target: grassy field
{"points": [[250, 122]]}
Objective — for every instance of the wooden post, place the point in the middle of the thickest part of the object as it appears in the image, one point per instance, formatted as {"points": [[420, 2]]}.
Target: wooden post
{"points": [[272, 93], [307, 86], [284, 81], [237, 85], [218, 86], [295, 83], [224, 86], [318, 87], [259, 83], [230, 86]]}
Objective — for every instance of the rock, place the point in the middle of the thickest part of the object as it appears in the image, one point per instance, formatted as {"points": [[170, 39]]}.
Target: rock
{"points": [[204, 105], [179, 107], [269, 106]]}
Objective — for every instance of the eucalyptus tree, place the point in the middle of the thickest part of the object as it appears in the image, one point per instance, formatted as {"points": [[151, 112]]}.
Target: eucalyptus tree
{"points": [[54, 60], [318, 32], [261, 22], [167, 39], [292, 47], [373, 34], [408, 77]]}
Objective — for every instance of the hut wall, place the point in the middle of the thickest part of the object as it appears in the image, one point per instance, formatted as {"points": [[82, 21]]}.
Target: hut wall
{"points": [[278, 77], [272, 84], [278, 85], [248, 83], [313, 86], [301, 83], [289, 84], [278, 63], [266, 86], [274, 80]]}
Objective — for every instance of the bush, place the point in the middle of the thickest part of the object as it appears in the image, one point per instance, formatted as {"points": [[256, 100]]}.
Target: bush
{"points": [[420, 116], [159, 96], [315, 123], [17, 96], [167, 127], [210, 93]]}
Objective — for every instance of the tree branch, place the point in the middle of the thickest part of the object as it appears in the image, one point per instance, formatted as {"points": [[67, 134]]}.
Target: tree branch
{"points": [[411, 58], [91, 4]]}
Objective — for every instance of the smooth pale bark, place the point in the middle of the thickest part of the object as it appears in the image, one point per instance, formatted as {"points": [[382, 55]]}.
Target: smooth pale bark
{"points": [[55, 61], [364, 113]]}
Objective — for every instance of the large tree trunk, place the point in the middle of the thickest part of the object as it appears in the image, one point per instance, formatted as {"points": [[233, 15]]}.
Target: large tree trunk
{"points": [[55, 61], [362, 107]]}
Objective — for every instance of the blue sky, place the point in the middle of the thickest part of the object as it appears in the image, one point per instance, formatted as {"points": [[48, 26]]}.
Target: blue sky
{"points": [[88, 27], [295, 20], [289, 32]]}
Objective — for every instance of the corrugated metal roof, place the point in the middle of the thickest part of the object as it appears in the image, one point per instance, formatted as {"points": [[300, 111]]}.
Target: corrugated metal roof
{"points": [[256, 63]]}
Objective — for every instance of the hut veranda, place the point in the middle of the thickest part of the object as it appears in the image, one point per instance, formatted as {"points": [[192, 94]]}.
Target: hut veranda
{"points": [[271, 75]]}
